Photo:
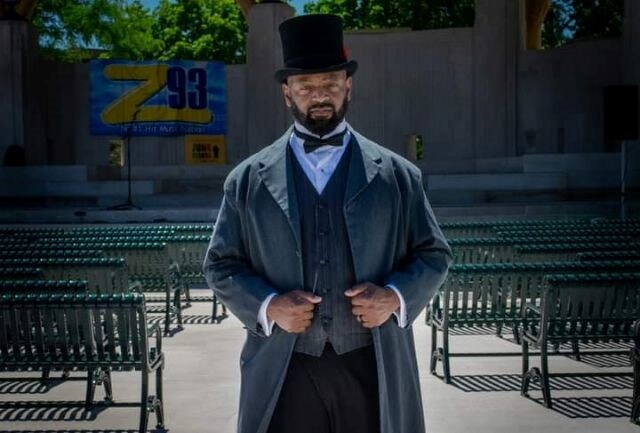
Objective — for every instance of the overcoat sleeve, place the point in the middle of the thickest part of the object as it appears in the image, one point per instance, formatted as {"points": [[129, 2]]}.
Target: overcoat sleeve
{"points": [[228, 271], [424, 268]]}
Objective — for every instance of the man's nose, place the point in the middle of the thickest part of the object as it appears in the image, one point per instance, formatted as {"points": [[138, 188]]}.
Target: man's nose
{"points": [[319, 95]]}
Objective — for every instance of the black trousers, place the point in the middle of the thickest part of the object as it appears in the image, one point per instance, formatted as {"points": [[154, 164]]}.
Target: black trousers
{"points": [[329, 394]]}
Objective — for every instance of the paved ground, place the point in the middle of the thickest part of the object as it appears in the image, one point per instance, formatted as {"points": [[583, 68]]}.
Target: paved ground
{"points": [[202, 384]]}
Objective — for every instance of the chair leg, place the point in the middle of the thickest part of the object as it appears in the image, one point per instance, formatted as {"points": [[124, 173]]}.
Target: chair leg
{"points": [[434, 346], [144, 402], [576, 350], [214, 314], [159, 399], [178, 305], [446, 371], [544, 379], [108, 387], [91, 389], [516, 333], [187, 295], [635, 404], [167, 312], [526, 377], [46, 373]]}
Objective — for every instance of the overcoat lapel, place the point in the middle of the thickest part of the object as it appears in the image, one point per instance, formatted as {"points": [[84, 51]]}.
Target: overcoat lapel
{"points": [[364, 166], [276, 174]]}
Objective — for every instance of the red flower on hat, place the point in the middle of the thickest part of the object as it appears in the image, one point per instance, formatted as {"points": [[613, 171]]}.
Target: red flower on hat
{"points": [[345, 52]]}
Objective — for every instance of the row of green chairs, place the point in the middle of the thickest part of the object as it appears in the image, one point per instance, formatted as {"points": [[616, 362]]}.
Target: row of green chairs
{"points": [[494, 295], [491, 250], [576, 309], [98, 334]]}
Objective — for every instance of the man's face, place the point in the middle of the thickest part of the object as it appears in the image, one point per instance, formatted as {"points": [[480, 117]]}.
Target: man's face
{"points": [[318, 101]]}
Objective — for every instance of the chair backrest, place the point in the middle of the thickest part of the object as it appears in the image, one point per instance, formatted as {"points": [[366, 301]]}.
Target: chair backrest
{"points": [[43, 286], [103, 275], [590, 307], [28, 272], [84, 330], [504, 288]]}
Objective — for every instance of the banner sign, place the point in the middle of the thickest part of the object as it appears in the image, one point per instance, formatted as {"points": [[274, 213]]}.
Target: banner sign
{"points": [[155, 99], [205, 149]]}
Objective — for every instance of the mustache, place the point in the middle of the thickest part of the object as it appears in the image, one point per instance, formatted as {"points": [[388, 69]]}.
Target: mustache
{"points": [[323, 105]]}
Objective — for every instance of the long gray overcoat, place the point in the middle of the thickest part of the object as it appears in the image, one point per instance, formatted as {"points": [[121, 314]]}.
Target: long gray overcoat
{"points": [[255, 250]]}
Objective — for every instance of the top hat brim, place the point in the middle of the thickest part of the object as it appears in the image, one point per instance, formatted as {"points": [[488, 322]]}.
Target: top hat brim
{"points": [[350, 66]]}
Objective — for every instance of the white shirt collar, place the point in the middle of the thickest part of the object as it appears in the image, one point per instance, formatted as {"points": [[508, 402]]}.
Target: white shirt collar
{"points": [[338, 129]]}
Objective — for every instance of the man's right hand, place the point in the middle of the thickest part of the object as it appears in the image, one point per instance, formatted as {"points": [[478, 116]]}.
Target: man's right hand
{"points": [[293, 311]]}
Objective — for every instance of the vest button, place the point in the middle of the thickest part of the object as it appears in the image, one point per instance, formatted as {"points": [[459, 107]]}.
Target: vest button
{"points": [[324, 262]]}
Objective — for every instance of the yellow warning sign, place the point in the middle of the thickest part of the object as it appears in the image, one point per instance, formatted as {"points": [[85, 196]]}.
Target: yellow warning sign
{"points": [[205, 149]]}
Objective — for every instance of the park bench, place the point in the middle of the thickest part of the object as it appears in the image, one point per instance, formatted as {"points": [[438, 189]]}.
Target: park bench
{"points": [[598, 308], [526, 249], [568, 251], [609, 255], [93, 333], [37, 253], [12, 272], [569, 232], [494, 295], [43, 286], [104, 275]]}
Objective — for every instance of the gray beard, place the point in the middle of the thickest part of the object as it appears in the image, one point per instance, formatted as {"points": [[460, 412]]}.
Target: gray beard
{"points": [[320, 127]]}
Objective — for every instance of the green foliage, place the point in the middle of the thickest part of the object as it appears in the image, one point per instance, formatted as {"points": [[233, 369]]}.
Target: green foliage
{"points": [[200, 30], [416, 14], [74, 30], [569, 20]]}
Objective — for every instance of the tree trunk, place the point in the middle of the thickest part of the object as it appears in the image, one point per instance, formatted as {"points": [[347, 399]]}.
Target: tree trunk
{"points": [[536, 13]]}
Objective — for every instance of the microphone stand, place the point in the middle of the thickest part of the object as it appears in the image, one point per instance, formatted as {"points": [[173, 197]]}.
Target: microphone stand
{"points": [[129, 203]]}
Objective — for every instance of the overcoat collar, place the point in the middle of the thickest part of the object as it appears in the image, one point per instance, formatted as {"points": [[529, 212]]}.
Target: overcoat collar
{"points": [[365, 164]]}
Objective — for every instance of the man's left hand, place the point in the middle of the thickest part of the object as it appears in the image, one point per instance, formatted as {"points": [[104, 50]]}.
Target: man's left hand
{"points": [[372, 304]]}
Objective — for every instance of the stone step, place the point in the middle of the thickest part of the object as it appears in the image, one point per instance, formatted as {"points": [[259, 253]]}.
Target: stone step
{"points": [[39, 173], [81, 188], [161, 172]]}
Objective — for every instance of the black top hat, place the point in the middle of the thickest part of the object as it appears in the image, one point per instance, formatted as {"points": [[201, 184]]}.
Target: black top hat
{"points": [[311, 44]]}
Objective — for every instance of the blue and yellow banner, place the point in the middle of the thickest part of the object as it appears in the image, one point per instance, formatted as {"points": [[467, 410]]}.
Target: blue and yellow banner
{"points": [[157, 98]]}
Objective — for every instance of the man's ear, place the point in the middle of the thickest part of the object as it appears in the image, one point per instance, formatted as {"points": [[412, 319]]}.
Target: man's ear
{"points": [[286, 93], [347, 85]]}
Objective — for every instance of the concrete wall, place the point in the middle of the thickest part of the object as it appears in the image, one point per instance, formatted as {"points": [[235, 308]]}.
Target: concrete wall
{"points": [[560, 96], [472, 93], [414, 83]]}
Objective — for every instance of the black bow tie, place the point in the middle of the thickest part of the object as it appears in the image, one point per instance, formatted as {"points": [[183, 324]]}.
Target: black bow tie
{"points": [[312, 143]]}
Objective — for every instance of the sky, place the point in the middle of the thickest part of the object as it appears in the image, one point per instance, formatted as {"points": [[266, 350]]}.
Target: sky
{"points": [[298, 4]]}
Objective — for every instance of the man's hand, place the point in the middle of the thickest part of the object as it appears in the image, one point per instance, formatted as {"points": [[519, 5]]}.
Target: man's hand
{"points": [[293, 311], [372, 305]]}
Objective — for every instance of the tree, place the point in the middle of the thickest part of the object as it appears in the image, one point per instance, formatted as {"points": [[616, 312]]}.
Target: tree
{"points": [[74, 30], [416, 14], [200, 30], [582, 19]]}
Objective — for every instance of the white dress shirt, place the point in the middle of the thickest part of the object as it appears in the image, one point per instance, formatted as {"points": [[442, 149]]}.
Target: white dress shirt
{"points": [[318, 166]]}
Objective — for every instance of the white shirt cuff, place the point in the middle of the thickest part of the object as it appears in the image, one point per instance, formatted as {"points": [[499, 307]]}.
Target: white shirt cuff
{"points": [[400, 313], [263, 320]]}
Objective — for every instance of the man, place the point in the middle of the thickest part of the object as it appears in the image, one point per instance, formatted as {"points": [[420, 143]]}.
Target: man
{"points": [[326, 249]]}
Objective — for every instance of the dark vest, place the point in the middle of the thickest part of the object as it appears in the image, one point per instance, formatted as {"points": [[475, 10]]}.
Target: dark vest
{"points": [[327, 261]]}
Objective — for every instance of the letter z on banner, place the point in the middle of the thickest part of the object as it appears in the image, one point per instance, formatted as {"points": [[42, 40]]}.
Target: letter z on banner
{"points": [[157, 98]]}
